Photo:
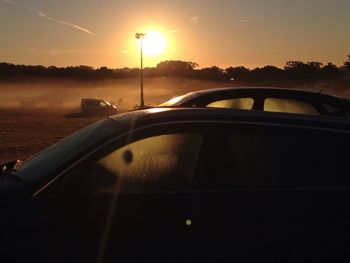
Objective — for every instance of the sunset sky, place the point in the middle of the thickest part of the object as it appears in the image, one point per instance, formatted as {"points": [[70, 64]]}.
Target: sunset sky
{"points": [[223, 32]]}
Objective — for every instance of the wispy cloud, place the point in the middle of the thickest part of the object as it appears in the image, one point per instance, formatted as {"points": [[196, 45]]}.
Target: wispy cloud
{"points": [[174, 31], [16, 4], [75, 26], [47, 17], [195, 19]]}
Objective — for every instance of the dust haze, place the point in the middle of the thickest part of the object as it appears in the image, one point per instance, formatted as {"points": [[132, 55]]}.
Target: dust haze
{"points": [[124, 93]]}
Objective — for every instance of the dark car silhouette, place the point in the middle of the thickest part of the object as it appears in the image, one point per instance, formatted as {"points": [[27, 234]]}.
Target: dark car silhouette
{"points": [[98, 107], [265, 99], [183, 184]]}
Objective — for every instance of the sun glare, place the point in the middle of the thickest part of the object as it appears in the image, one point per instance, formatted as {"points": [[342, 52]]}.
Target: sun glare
{"points": [[154, 44]]}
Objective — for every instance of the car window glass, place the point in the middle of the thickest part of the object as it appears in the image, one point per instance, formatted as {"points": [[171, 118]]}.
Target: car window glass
{"points": [[301, 159], [159, 163], [45, 162], [269, 159], [237, 103], [289, 106], [103, 104], [334, 110]]}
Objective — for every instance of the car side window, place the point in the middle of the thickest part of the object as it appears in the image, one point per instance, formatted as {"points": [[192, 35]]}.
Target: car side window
{"points": [[290, 160], [237, 103], [158, 163], [274, 158], [289, 106]]}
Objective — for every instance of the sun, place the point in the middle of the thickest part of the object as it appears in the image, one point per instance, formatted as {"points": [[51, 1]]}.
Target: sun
{"points": [[154, 43]]}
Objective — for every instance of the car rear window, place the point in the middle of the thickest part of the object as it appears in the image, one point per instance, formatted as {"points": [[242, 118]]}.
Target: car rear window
{"points": [[289, 106]]}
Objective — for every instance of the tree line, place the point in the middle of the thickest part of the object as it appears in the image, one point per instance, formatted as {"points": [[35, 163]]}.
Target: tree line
{"points": [[293, 71]]}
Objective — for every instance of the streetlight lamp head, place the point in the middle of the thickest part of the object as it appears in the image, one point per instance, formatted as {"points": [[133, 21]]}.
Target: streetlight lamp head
{"points": [[140, 35]]}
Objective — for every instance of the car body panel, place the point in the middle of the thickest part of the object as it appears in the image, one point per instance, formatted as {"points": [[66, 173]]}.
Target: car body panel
{"points": [[214, 219]]}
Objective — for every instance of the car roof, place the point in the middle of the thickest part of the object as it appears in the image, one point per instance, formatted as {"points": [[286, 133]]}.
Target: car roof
{"points": [[151, 116], [262, 90], [255, 92], [266, 91], [92, 99]]}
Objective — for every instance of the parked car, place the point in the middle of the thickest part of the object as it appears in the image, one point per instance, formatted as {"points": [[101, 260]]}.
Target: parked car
{"points": [[97, 106], [265, 99], [183, 184]]}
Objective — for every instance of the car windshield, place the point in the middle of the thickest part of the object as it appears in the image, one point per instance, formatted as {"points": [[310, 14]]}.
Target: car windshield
{"points": [[178, 100], [48, 160]]}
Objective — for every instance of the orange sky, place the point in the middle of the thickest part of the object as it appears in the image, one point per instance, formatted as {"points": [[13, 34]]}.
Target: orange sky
{"points": [[222, 33]]}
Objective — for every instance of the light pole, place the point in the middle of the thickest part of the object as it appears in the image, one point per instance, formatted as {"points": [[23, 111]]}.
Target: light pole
{"points": [[141, 36]]}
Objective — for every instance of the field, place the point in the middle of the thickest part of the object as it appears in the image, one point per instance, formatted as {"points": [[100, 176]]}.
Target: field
{"points": [[24, 132]]}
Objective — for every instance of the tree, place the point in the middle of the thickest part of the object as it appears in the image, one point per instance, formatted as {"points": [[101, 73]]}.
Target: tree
{"points": [[347, 63], [212, 73], [300, 71], [330, 71], [267, 73], [237, 73], [176, 68]]}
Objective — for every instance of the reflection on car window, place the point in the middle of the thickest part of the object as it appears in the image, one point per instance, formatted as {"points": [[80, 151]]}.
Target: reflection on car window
{"points": [[58, 154], [237, 103], [289, 106], [159, 163]]}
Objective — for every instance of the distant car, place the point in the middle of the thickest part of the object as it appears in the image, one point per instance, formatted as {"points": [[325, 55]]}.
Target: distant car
{"points": [[265, 99], [97, 106], [182, 184]]}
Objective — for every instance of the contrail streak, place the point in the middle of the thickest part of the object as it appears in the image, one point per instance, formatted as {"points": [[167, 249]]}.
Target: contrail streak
{"points": [[45, 16]]}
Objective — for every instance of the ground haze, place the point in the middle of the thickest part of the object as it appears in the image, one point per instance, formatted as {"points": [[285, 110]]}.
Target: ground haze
{"points": [[25, 130]]}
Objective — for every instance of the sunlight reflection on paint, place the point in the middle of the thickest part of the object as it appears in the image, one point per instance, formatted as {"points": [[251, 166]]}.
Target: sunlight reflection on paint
{"points": [[155, 110]]}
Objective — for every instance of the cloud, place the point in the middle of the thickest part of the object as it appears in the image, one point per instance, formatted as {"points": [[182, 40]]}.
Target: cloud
{"points": [[124, 51], [75, 26], [45, 16], [195, 19], [15, 4], [174, 31]]}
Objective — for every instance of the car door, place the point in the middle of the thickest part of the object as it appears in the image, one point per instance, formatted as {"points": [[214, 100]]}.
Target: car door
{"points": [[35, 229], [135, 193], [278, 191], [214, 190]]}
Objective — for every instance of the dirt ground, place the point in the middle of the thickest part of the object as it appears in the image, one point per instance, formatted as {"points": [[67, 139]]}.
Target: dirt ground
{"points": [[24, 133]]}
